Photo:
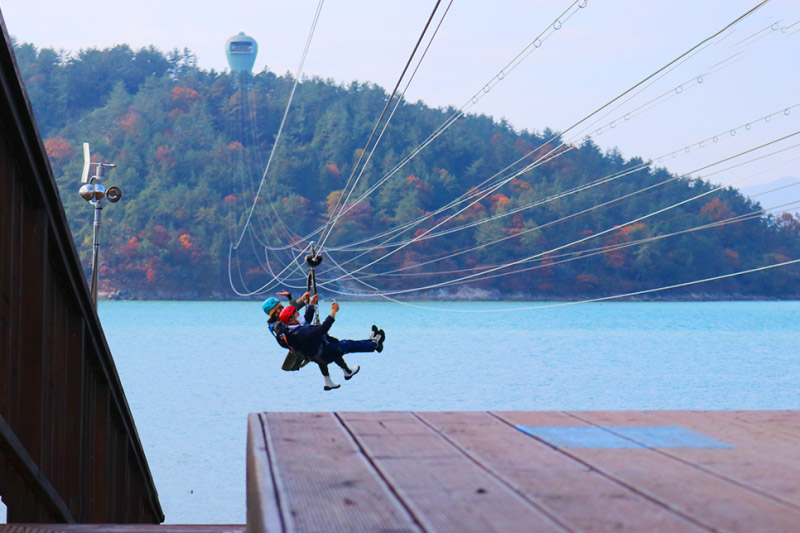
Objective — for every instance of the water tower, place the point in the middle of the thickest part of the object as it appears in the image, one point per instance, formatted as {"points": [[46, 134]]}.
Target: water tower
{"points": [[241, 51]]}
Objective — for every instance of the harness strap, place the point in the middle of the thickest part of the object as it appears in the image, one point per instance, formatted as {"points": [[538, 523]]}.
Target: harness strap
{"points": [[313, 260]]}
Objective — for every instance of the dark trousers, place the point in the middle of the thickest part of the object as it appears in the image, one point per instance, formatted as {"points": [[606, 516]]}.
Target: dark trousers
{"points": [[334, 350]]}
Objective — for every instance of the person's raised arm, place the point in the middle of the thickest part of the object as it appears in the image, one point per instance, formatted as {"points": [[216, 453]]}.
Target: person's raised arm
{"points": [[309, 315], [286, 293], [328, 322], [299, 303]]}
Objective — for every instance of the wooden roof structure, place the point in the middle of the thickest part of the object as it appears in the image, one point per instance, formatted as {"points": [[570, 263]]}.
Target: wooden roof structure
{"points": [[69, 449]]}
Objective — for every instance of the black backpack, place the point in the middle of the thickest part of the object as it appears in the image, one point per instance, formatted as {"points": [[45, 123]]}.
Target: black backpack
{"points": [[293, 361]]}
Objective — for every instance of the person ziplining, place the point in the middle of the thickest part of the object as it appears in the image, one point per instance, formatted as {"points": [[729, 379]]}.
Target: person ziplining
{"points": [[307, 339]]}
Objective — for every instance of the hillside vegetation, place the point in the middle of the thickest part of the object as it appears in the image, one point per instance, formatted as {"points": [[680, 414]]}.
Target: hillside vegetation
{"points": [[189, 146]]}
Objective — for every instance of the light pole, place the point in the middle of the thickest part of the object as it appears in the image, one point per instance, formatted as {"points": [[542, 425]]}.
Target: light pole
{"points": [[93, 192]]}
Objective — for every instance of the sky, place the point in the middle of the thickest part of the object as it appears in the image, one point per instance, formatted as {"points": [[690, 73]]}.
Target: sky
{"points": [[750, 77]]}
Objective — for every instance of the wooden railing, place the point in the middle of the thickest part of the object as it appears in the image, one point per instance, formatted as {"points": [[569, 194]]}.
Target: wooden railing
{"points": [[69, 449]]}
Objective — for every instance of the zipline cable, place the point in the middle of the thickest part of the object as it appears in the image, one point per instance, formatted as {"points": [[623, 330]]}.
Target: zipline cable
{"points": [[754, 8], [510, 66], [601, 250], [536, 43], [596, 234], [331, 220], [283, 122], [667, 66], [766, 119], [601, 181], [604, 298], [654, 76]]}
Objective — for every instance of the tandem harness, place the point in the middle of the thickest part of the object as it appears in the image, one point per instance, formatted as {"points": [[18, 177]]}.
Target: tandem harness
{"points": [[294, 359]]}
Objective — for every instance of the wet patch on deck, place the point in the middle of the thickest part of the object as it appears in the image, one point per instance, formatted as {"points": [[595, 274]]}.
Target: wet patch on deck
{"points": [[623, 437]]}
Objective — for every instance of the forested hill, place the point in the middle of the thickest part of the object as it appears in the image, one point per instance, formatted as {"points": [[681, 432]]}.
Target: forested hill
{"points": [[189, 170]]}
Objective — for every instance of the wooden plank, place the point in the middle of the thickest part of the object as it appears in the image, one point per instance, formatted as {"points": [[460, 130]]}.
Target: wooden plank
{"points": [[782, 421], [62, 443], [764, 474], [120, 471], [751, 436], [87, 417], [580, 498], [325, 482], [100, 457], [7, 237], [706, 498], [263, 507], [444, 488], [121, 528], [72, 408], [16, 295], [30, 423]]}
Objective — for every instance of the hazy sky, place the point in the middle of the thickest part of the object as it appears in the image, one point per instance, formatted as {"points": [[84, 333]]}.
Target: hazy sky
{"points": [[597, 54]]}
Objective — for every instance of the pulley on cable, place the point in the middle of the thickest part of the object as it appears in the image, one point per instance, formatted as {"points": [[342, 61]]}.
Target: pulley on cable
{"points": [[313, 260]]}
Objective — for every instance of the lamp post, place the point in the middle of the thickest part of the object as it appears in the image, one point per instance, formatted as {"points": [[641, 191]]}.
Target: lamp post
{"points": [[94, 192]]}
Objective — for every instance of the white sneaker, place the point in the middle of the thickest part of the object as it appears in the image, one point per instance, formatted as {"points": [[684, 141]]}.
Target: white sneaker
{"points": [[353, 371], [329, 384]]}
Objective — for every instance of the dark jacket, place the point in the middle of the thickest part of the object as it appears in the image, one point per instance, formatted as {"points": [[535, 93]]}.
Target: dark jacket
{"points": [[276, 327], [308, 340]]}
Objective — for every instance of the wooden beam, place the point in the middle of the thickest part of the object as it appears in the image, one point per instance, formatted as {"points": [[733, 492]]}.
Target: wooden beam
{"points": [[26, 466]]}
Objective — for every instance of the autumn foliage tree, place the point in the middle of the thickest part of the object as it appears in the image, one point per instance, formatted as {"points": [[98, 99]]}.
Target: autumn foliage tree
{"points": [[190, 176]]}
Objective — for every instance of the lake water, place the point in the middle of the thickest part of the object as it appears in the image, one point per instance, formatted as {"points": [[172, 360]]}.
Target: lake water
{"points": [[192, 371]]}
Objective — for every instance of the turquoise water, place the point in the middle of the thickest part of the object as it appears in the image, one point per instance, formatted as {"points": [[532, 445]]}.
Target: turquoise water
{"points": [[193, 370]]}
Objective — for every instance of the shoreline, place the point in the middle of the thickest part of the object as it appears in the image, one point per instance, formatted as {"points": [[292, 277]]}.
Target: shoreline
{"points": [[695, 297]]}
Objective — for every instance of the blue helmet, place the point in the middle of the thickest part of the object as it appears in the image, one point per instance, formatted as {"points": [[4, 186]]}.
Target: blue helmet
{"points": [[269, 304]]}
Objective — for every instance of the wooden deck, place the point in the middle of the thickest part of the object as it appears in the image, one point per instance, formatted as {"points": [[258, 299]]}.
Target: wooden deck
{"points": [[120, 528], [524, 471]]}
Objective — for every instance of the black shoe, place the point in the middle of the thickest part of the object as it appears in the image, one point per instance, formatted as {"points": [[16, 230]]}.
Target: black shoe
{"points": [[374, 335], [379, 341], [335, 386]]}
